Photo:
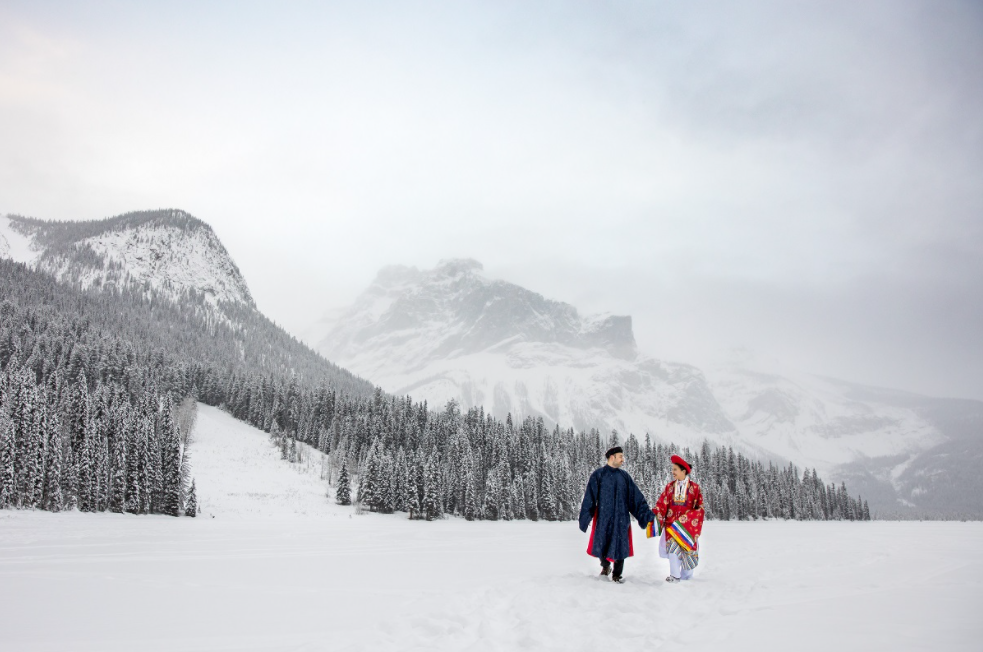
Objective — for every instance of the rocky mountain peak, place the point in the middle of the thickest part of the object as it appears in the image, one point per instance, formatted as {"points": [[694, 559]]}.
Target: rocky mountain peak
{"points": [[465, 312], [459, 266], [168, 250]]}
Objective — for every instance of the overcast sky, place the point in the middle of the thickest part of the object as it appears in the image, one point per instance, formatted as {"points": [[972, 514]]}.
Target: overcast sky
{"points": [[803, 179]]}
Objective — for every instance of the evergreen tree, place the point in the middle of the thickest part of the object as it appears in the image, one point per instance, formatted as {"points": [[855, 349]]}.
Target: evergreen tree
{"points": [[403, 483], [134, 467], [170, 463], [532, 497], [492, 495], [387, 484], [120, 466], [33, 490], [344, 494], [101, 474], [369, 493], [8, 497], [85, 472], [52, 484], [471, 511], [155, 475], [519, 507], [78, 433], [143, 465], [432, 504], [191, 506], [414, 490]]}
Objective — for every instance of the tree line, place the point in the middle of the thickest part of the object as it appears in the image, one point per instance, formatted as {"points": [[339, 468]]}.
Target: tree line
{"points": [[90, 380]]}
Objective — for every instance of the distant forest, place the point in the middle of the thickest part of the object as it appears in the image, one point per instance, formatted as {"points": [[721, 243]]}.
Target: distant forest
{"points": [[97, 390]]}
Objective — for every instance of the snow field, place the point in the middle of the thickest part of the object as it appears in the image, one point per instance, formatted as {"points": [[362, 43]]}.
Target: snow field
{"points": [[14, 245], [271, 564]]}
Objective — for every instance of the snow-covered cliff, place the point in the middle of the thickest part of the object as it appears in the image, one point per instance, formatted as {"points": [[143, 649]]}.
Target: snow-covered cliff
{"points": [[167, 251]]}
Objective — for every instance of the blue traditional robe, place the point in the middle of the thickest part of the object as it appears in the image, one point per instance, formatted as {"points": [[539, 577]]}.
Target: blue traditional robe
{"points": [[609, 502]]}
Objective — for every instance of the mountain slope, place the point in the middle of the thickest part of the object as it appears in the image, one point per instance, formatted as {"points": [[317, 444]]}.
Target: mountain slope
{"points": [[156, 285], [452, 333], [168, 251]]}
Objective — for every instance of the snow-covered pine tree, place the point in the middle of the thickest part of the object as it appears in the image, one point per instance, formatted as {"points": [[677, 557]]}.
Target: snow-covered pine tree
{"points": [[134, 486], [155, 475], [185, 480], [101, 461], [78, 433], [144, 481], [407, 486], [387, 483], [532, 496], [33, 490], [547, 496], [368, 491], [471, 510], [414, 490], [432, 504], [191, 506], [493, 492], [84, 466], [119, 466], [21, 405], [519, 507], [170, 463], [102, 425], [632, 457], [505, 491], [343, 496], [53, 501], [7, 453], [401, 478]]}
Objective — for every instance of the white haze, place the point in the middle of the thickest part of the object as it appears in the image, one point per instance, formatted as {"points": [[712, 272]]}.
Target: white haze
{"points": [[800, 180]]}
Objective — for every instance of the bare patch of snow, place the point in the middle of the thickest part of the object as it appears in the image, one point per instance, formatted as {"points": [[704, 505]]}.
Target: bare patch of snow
{"points": [[15, 245]]}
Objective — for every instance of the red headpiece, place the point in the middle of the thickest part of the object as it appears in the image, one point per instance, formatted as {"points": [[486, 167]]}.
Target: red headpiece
{"points": [[676, 459]]}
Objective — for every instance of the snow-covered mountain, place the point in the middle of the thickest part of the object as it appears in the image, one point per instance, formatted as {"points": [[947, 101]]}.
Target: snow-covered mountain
{"points": [[168, 251], [453, 333]]}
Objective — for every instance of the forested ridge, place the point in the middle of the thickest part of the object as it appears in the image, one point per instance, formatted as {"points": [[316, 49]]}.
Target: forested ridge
{"points": [[59, 238], [91, 383]]}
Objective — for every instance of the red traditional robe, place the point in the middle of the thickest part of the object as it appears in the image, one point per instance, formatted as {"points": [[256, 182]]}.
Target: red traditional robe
{"points": [[688, 511]]}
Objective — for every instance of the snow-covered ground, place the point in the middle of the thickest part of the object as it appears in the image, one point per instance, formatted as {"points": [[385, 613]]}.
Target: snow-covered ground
{"points": [[272, 565], [15, 245]]}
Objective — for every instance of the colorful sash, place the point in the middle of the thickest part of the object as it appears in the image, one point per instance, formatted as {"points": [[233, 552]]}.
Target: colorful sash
{"points": [[678, 532], [681, 542], [689, 560]]}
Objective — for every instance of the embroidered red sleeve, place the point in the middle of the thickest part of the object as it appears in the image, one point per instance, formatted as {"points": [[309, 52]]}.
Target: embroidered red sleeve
{"points": [[662, 505]]}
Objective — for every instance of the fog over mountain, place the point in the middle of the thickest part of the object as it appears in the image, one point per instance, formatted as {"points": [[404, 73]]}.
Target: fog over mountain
{"points": [[452, 332], [801, 179]]}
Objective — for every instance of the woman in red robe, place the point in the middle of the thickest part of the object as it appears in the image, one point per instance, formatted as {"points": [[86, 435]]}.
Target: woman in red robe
{"points": [[679, 512]]}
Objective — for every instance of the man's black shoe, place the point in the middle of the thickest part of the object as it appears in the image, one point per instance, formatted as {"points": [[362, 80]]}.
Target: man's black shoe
{"points": [[605, 570], [618, 578]]}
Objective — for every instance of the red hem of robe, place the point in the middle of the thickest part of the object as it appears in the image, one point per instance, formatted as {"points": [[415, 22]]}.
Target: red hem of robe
{"points": [[590, 542]]}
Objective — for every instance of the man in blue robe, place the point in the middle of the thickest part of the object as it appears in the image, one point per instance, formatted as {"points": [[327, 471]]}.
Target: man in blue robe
{"points": [[609, 502]]}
